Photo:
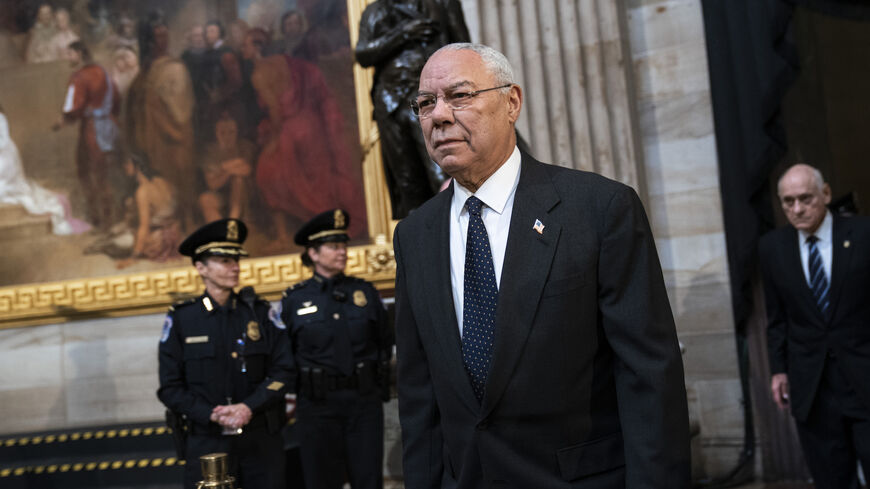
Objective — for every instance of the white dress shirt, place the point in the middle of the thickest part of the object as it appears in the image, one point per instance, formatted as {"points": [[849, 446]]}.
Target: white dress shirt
{"points": [[825, 244], [497, 195]]}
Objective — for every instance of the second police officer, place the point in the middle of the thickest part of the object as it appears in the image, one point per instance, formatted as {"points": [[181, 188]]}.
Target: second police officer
{"points": [[341, 345]]}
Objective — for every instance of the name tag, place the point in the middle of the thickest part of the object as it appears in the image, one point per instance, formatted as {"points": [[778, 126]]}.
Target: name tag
{"points": [[196, 339], [306, 310]]}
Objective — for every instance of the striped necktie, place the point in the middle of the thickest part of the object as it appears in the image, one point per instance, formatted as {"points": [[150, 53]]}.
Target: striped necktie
{"points": [[818, 281], [480, 296]]}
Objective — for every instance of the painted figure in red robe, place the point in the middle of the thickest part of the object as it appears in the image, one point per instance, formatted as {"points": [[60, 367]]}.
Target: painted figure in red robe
{"points": [[92, 98], [306, 164]]}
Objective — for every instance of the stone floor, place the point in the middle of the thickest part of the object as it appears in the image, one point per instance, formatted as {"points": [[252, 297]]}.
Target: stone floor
{"points": [[776, 485]]}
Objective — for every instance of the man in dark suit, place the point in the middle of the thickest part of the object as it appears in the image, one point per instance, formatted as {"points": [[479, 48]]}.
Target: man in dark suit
{"points": [[540, 352], [816, 280]]}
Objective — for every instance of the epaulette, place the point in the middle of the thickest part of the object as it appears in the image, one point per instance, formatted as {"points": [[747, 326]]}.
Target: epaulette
{"points": [[182, 303], [297, 285]]}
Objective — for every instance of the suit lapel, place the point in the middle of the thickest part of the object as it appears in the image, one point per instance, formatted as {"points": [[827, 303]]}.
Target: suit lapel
{"points": [[841, 255], [526, 265], [441, 308]]}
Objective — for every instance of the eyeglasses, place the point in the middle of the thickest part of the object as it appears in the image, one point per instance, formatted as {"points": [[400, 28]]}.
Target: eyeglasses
{"points": [[423, 105]]}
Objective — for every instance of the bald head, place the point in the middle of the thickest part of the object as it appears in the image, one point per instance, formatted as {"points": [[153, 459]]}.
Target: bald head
{"points": [[804, 197]]}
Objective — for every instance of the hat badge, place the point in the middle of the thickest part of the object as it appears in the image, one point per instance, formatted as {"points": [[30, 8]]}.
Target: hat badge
{"points": [[232, 230], [338, 217]]}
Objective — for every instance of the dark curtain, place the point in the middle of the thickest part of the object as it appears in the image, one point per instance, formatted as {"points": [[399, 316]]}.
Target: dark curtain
{"points": [[752, 62]]}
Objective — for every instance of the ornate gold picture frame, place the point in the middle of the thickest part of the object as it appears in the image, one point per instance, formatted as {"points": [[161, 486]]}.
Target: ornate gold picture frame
{"points": [[139, 293]]}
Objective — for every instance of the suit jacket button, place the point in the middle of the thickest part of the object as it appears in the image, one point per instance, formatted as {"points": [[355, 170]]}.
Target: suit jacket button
{"points": [[483, 425]]}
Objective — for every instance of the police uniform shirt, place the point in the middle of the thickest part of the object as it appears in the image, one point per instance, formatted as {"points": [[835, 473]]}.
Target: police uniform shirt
{"points": [[317, 309], [209, 353]]}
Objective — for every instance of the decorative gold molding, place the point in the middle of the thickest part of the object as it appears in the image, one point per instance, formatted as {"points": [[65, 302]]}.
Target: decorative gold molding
{"points": [[124, 295], [140, 293]]}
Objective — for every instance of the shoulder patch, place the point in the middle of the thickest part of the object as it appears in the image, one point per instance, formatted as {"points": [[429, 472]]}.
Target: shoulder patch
{"points": [[182, 303], [297, 285], [275, 315], [167, 327]]}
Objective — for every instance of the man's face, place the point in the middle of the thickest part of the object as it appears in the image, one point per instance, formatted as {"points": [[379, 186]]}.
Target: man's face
{"points": [[212, 34], [329, 258], [469, 143], [196, 37], [161, 38], [804, 204], [74, 57], [293, 26], [44, 15], [226, 132], [219, 272], [129, 167], [127, 28], [61, 19]]}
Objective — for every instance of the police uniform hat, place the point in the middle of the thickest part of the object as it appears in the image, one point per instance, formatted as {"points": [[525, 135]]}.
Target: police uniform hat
{"points": [[218, 238], [324, 227]]}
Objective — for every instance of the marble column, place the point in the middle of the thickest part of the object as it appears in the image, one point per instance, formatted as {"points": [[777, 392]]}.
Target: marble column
{"points": [[570, 58]]}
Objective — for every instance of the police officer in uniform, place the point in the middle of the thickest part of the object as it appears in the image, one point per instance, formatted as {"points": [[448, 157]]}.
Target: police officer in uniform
{"points": [[225, 366], [341, 345]]}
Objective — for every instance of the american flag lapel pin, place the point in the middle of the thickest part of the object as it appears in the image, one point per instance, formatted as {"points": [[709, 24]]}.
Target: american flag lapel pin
{"points": [[539, 226]]}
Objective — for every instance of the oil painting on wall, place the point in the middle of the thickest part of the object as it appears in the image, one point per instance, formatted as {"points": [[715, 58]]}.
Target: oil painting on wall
{"points": [[125, 124]]}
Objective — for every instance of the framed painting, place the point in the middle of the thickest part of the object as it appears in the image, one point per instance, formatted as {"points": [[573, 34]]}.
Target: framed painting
{"points": [[125, 125]]}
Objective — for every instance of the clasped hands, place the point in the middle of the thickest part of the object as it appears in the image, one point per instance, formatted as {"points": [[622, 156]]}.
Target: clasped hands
{"points": [[232, 416]]}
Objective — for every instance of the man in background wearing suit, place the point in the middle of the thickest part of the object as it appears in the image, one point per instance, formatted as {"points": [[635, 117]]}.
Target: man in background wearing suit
{"points": [[816, 281], [536, 346]]}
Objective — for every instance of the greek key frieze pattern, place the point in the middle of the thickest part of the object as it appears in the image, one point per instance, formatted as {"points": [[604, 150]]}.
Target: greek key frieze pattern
{"points": [[139, 293]]}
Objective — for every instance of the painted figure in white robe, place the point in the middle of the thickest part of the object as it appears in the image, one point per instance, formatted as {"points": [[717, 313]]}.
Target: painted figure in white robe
{"points": [[17, 189]]}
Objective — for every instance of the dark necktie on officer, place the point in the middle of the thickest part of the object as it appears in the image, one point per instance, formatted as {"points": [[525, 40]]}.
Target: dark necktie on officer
{"points": [[342, 350], [480, 298], [818, 281]]}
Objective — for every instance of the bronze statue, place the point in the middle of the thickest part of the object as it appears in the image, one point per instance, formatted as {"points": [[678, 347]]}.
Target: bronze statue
{"points": [[396, 37]]}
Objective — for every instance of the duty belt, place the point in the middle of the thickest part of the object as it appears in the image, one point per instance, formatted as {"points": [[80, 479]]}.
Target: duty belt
{"points": [[314, 382]]}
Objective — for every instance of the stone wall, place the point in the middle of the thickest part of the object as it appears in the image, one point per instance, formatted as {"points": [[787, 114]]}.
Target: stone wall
{"points": [[84, 373]]}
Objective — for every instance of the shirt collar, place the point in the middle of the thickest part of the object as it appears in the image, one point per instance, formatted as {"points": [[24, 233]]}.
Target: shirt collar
{"points": [[496, 190], [211, 306], [324, 282], [824, 231]]}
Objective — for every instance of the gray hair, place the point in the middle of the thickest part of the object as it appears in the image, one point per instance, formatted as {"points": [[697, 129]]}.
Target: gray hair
{"points": [[494, 61], [818, 179]]}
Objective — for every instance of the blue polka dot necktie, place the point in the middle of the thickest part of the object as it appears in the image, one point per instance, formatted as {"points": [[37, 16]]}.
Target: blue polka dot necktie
{"points": [[818, 280], [480, 299]]}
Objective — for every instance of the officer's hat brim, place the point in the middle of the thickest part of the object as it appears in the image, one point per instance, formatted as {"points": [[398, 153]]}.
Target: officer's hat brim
{"points": [[220, 249]]}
